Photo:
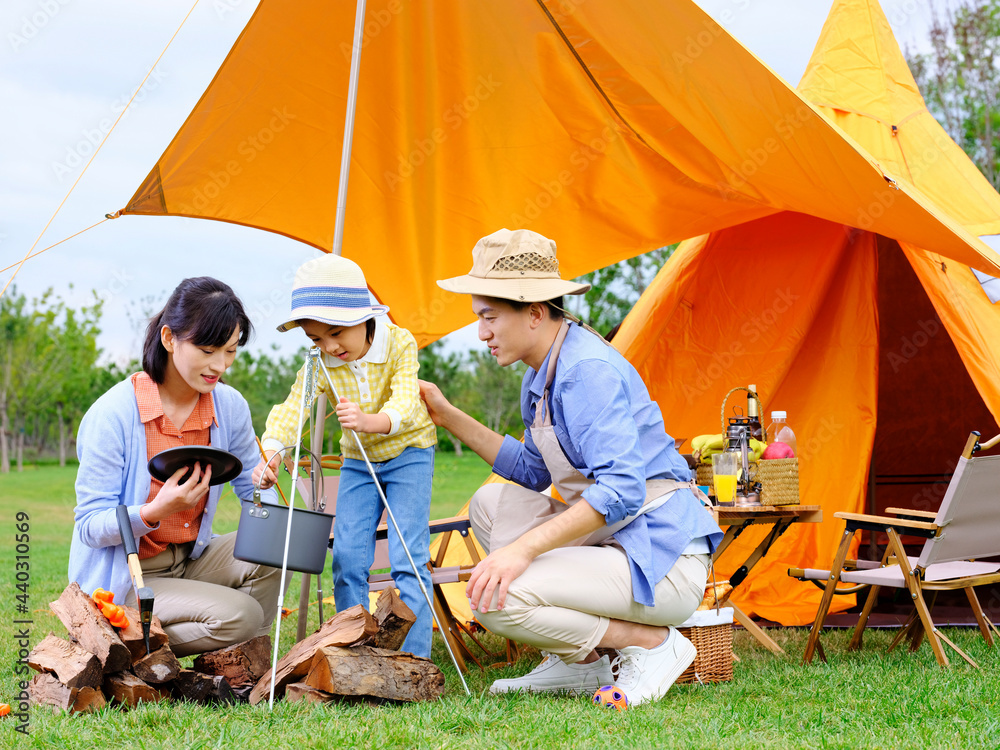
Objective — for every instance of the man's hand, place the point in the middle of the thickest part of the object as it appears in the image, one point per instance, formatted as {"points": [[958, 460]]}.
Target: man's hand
{"points": [[435, 401], [494, 574]]}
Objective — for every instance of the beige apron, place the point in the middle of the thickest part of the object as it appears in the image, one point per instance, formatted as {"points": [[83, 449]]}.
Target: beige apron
{"points": [[566, 478]]}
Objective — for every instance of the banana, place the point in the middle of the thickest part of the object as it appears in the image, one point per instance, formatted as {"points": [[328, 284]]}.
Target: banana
{"points": [[704, 447], [711, 442]]}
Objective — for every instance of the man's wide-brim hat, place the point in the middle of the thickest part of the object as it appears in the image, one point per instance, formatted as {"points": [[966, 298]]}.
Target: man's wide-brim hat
{"points": [[517, 265], [333, 290]]}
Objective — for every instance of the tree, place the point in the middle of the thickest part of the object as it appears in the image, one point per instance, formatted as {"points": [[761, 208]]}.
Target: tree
{"points": [[493, 393], [264, 380], [49, 353], [616, 288], [960, 79]]}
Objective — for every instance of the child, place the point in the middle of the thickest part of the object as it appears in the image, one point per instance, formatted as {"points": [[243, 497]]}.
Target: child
{"points": [[373, 365]]}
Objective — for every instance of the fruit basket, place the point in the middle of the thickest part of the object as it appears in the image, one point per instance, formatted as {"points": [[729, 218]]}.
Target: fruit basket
{"points": [[778, 477]]}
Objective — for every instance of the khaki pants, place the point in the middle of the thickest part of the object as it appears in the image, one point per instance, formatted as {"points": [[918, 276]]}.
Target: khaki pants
{"points": [[565, 600], [212, 602]]}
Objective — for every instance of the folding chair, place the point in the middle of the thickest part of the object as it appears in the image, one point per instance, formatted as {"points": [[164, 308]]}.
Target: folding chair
{"points": [[966, 527]]}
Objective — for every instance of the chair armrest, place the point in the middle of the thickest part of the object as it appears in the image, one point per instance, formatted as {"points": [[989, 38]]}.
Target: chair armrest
{"points": [[857, 521], [912, 515], [455, 523]]}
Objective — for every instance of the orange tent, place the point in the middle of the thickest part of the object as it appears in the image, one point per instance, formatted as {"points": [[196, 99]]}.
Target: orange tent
{"points": [[884, 352], [613, 127]]}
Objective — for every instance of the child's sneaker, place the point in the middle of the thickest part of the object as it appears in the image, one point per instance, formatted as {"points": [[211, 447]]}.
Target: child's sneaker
{"points": [[554, 675], [645, 674]]}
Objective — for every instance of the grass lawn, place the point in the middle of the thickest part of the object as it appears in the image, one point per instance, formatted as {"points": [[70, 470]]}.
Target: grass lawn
{"points": [[867, 699]]}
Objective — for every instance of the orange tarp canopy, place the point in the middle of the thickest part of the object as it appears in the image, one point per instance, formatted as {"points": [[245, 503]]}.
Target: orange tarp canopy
{"points": [[613, 127], [883, 351]]}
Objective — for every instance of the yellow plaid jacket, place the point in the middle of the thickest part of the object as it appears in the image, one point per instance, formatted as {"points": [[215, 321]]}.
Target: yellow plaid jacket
{"points": [[384, 380]]}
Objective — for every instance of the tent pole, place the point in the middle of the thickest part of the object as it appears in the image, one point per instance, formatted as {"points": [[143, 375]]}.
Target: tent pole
{"points": [[352, 101]]}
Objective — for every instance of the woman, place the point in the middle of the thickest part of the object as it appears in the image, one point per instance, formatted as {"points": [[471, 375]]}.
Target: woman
{"points": [[204, 597]]}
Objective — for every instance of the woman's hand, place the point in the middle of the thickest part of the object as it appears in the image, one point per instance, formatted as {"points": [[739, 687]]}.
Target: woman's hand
{"points": [[494, 574], [176, 496], [264, 473]]}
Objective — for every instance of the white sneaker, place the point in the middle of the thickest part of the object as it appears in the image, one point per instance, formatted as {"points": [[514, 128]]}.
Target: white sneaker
{"points": [[554, 675], [645, 674]]}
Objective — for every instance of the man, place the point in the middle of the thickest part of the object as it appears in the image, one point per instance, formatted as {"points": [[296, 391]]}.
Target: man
{"points": [[627, 554]]}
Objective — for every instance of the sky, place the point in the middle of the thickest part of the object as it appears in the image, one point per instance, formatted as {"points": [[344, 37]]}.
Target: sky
{"points": [[67, 69]]}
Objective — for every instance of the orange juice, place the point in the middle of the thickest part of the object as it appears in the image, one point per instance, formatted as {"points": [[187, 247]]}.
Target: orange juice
{"points": [[725, 488]]}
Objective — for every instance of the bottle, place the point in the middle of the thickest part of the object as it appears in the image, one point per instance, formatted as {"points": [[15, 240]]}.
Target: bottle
{"points": [[781, 432], [756, 431]]}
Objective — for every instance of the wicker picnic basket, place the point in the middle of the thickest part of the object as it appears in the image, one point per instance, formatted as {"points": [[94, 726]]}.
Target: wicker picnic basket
{"points": [[711, 632]]}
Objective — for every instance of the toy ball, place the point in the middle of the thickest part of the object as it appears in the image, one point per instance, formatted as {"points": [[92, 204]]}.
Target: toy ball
{"points": [[611, 697]]}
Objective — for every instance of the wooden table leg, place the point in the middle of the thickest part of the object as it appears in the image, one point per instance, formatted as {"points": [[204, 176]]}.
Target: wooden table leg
{"points": [[755, 630]]}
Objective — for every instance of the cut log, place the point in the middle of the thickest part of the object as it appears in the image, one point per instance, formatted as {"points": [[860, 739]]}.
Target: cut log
{"points": [[375, 673], [354, 625], [132, 635], [73, 666], [46, 690], [394, 620], [88, 626], [196, 687], [241, 664], [299, 691], [159, 667], [125, 689]]}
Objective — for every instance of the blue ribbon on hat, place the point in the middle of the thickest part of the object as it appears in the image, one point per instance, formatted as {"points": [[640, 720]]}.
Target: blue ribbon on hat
{"points": [[330, 296]]}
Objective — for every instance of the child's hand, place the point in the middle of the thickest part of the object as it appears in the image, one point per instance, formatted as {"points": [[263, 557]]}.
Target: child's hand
{"points": [[351, 417], [264, 474]]}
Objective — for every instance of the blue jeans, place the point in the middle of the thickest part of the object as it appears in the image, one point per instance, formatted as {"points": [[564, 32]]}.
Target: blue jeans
{"points": [[406, 482]]}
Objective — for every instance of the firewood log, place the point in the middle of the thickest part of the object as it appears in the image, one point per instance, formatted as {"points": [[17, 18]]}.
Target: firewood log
{"points": [[376, 673], [73, 666], [46, 690], [299, 691], [196, 687], [158, 667], [125, 689], [394, 620], [351, 626], [88, 626], [241, 664], [132, 635]]}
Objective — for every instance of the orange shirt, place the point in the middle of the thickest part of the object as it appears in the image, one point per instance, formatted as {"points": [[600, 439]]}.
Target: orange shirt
{"points": [[160, 435]]}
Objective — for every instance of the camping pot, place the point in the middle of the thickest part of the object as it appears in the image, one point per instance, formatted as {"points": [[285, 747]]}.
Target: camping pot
{"points": [[260, 537]]}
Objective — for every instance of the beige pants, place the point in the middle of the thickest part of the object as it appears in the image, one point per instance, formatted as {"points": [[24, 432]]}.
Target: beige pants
{"points": [[212, 602], [565, 600]]}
